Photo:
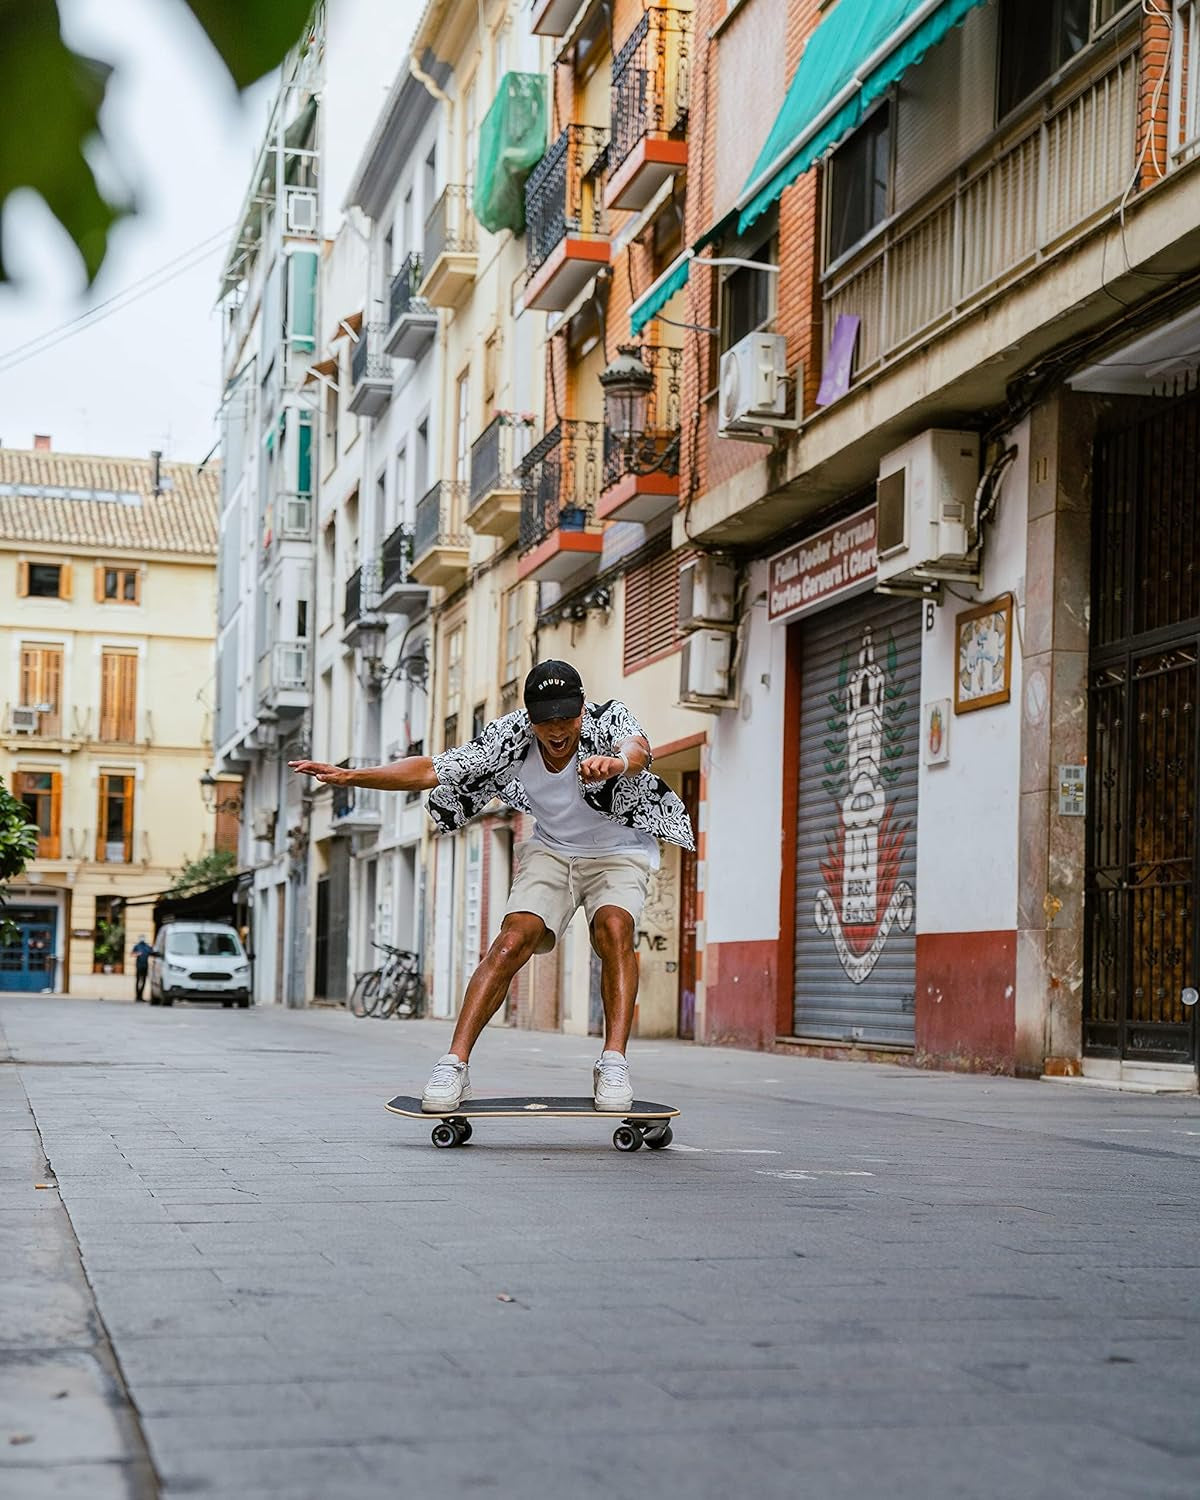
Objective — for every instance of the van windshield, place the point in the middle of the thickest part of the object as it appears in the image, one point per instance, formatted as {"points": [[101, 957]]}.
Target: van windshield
{"points": [[204, 944]]}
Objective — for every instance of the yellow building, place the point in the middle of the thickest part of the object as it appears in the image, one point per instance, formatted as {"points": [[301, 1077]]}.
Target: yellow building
{"points": [[107, 610]]}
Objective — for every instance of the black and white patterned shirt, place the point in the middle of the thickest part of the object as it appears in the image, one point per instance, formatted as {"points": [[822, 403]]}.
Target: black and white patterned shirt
{"points": [[489, 767]]}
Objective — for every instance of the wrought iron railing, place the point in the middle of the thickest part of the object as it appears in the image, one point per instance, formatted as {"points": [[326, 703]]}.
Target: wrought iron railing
{"points": [[560, 481], [397, 557], [369, 362], [496, 455], [562, 194], [994, 220], [654, 450], [438, 518], [450, 227], [651, 81], [403, 297], [362, 593], [354, 804]]}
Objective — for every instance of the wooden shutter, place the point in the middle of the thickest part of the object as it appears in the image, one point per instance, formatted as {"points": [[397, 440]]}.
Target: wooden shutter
{"points": [[41, 682], [118, 695], [127, 821], [55, 840], [23, 580], [65, 584], [98, 577]]}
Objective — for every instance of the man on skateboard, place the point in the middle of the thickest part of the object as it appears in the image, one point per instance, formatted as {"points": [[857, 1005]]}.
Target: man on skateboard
{"points": [[581, 770]]}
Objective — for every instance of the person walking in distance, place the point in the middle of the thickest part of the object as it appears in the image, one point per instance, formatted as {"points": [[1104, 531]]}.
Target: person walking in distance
{"points": [[582, 771], [142, 952]]}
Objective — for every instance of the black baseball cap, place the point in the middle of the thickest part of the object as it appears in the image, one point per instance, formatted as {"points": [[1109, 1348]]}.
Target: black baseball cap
{"points": [[553, 690]]}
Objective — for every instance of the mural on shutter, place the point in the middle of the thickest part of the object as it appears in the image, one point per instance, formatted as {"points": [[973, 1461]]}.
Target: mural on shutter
{"points": [[857, 822]]}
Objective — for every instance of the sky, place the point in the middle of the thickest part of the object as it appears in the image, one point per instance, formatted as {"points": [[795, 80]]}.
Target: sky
{"points": [[148, 375]]}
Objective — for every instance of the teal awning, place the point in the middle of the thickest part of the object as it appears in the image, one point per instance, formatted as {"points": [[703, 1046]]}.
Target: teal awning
{"points": [[853, 57], [652, 302]]}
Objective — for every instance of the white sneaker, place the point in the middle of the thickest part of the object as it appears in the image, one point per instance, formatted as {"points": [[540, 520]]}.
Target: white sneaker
{"points": [[611, 1088], [449, 1084]]}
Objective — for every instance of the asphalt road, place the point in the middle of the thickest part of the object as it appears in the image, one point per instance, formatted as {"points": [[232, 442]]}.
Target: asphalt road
{"points": [[242, 1276]]}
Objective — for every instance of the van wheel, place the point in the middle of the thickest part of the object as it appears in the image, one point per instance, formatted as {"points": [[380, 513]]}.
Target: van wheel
{"points": [[244, 1004], [168, 999], [228, 1004]]}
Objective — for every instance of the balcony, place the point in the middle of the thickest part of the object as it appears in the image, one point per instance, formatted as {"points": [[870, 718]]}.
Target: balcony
{"points": [[450, 258], [553, 17], [440, 550], [641, 466], [370, 372], [400, 593], [566, 231], [560, 480], [412, 322], [651, 86], [282, 680], [494, 502], [1001, 215], [362, 614], [355, 809]]}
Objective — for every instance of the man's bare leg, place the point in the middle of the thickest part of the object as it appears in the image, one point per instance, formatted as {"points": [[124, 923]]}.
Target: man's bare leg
{"points": [[613, 936], [513, 948]]}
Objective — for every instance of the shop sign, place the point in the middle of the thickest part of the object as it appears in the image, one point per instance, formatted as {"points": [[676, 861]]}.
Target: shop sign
{"points": [[838, 562]]}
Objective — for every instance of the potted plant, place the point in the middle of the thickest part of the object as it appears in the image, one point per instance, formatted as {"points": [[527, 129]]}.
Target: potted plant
{"points": [[572, 518], [110, 944]]}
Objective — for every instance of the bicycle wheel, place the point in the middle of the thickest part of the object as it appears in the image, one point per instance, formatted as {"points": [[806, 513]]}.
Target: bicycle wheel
{"points": [[389, 996], [412, 998], [355, 1003], [372, 993]]}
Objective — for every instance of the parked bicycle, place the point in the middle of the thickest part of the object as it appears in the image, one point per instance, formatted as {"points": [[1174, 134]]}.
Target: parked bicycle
{"points": [[396, 988]]}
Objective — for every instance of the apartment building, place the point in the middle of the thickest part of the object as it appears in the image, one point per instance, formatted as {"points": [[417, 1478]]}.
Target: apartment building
{"points": [[107, 577], [945, 428]]}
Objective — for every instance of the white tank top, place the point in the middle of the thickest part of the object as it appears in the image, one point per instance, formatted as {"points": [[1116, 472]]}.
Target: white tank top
{"points": [[567, 825]]}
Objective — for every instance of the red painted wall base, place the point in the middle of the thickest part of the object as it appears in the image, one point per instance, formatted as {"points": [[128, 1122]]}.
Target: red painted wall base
{"points": [[739, 993], [966, 1001]]}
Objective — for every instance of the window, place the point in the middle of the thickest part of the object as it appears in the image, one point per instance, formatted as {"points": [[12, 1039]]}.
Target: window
{"points": [[462, 439], [858, 183], [469, 143], [478, 719], [651, 610], [118, 585], [1037, 37], [204, 944], [114, 819], [301, 619], [407, 242], [41, 794], [401, 495], [118, 695], [510, 668], [454, 673], [41, 686], [331, 427], [108, 936], [422, 456], [44, 580], [747, 298]]}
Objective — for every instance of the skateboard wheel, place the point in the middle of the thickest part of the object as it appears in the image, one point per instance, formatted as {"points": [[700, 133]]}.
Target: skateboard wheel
{"points": [[626, 1138], [463, 1127], [658, 1137], [444, 1135]]}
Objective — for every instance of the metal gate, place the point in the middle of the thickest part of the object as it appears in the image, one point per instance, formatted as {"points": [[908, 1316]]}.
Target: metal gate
{"points": [[1142, 964], [27, 962], [856, 840]]}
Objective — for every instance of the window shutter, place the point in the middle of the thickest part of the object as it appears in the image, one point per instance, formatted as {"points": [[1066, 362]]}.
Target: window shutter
{"points": [[651, 609], [101, 811], [64, 581], [99, 583], [23, 580], [137, 582], [127, 828], [127, 696], [55, 849]]}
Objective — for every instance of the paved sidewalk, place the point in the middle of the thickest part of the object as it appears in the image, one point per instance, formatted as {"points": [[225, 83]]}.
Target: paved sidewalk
{"points": [[842, 1281]]}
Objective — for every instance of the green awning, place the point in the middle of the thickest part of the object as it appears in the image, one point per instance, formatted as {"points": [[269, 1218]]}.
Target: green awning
{"points": [[651, 303], [853, 57]]}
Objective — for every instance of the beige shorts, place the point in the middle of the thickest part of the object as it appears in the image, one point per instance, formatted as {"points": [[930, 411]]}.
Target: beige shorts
{"points": [[554, 888]]}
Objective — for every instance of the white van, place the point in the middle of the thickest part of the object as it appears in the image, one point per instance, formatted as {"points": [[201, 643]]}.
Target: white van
{"points": [[199, 961]]}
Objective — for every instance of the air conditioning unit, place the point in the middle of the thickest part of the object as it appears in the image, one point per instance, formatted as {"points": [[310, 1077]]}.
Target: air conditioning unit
{"points": [[706, 665], [707, 592], [264, 824], [753, 393], [925, 498], [22, 720], [301, 212]]}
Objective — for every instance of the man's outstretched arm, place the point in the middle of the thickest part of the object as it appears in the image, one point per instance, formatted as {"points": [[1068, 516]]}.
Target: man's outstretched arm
{"points": [[414, 773], [633, 755]]}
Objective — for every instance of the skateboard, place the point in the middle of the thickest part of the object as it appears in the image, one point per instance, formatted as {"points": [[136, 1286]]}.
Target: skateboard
{"points": [[644, 1124]]}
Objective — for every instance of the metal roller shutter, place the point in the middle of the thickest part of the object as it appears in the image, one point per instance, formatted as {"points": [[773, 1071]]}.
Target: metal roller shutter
{"points": [[856, 843]]}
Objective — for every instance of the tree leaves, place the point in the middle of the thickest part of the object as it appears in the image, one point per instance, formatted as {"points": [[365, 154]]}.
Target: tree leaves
{"points": [[53, 95], [252, 36]]}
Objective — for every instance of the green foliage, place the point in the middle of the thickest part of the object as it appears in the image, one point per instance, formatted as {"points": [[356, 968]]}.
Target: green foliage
{"points": [[109, 943], [52, 98], [209, 869], [18, 845]]}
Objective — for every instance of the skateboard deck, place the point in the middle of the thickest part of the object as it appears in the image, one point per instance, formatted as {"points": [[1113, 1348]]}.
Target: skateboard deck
{"points": [[644, 1124]]}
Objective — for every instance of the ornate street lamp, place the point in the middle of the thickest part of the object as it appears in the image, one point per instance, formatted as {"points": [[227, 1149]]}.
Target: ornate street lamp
{"points": [[627, 385], [208, 792]]}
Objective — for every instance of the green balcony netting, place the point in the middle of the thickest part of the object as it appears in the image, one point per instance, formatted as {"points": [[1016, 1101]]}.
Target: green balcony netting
{"points": [[512, 140]]}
